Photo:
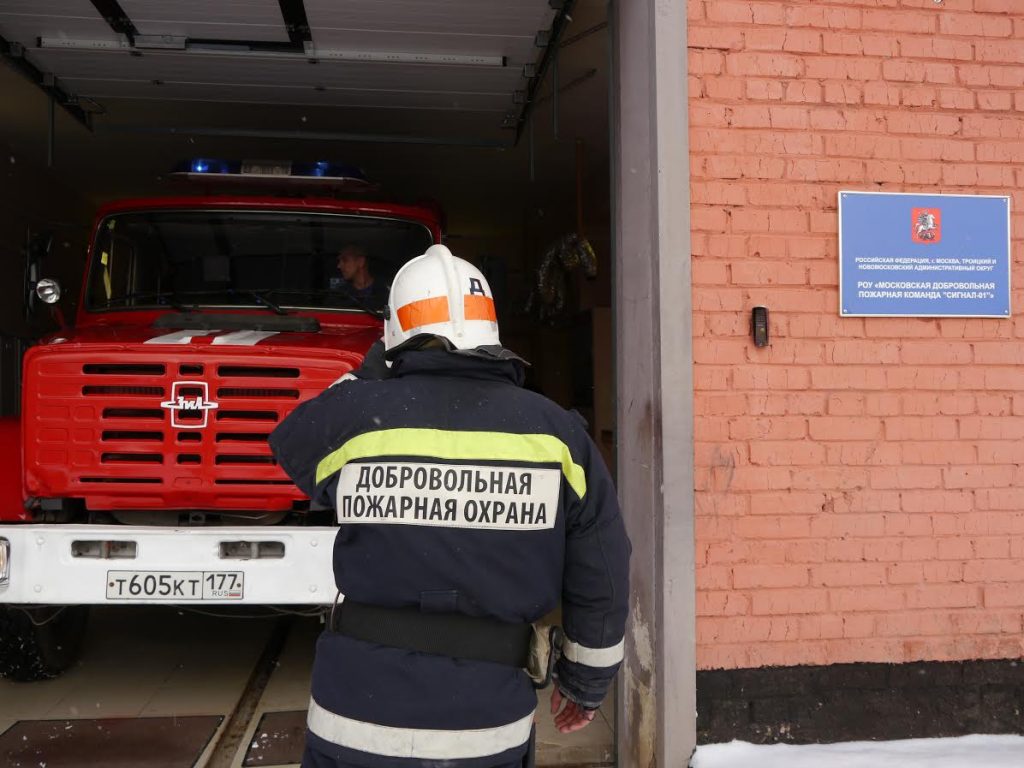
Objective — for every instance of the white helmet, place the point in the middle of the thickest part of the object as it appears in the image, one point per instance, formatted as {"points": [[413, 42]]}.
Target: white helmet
{"points": [[438, 294]]}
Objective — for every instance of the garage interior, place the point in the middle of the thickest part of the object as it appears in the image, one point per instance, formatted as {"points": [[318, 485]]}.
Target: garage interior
{"points": [[497, 111]]}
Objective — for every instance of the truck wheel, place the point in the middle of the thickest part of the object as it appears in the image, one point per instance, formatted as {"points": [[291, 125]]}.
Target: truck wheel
{"points": [[40, 643]]}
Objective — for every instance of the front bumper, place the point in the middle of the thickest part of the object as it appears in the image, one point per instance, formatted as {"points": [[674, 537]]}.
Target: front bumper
{"points": [[73, 564]]}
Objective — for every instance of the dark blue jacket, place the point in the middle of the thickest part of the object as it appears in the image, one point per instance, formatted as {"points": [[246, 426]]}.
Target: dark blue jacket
{"points": [[456, 490]]}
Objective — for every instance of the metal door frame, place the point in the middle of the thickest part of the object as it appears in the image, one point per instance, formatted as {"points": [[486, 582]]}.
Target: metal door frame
{"points": [[656, 719]]}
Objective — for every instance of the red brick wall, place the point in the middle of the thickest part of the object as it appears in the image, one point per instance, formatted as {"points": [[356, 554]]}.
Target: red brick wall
{"points": [[860, 482]]}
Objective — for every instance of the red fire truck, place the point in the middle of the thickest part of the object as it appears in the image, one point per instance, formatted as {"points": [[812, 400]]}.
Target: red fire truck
{"points": [[139, 471]]}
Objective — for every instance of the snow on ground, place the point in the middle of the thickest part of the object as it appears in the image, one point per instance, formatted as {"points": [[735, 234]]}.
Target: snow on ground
{"points": [[961, 752]]}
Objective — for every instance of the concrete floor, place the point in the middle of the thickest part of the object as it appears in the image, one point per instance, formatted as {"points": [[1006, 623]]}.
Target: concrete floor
{"points": [[156, 671]]}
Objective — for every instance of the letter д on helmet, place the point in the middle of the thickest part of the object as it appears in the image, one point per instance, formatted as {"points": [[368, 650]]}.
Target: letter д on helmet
{"points": [[441, 295]]}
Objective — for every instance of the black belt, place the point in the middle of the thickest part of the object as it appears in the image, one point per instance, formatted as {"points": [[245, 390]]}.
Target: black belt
{"points": [[445, 634]]}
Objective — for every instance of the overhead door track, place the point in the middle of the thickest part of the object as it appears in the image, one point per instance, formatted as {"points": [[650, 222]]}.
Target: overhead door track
{"points": [[293, 13]]}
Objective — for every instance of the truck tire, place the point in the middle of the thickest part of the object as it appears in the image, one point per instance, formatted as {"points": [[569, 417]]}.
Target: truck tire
{"points": [[34, 646]]}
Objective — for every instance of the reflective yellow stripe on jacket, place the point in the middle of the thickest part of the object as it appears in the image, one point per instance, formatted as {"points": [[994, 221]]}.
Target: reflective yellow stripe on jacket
{"points": [[457, 445]]}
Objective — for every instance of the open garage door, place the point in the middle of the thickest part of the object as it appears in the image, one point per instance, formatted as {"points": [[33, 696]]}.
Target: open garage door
{"points": [[288, 53]]}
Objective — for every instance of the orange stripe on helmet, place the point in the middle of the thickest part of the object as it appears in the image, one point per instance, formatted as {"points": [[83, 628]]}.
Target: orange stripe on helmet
{"points": [[480, 308], [424, 312]]}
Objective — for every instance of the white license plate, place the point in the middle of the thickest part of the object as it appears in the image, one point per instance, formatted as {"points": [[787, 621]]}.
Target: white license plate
{"points": [[175, 585]]}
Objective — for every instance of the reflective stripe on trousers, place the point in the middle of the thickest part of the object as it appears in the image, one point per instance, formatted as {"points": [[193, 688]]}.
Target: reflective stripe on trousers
{"points": [[424, 743]]}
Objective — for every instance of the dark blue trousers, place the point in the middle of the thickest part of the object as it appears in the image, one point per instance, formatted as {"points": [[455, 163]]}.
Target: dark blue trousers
{"points": [[311, 758], [314, 758]]}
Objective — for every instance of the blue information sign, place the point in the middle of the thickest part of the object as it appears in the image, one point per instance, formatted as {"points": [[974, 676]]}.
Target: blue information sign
{"points": [[910, 255]]}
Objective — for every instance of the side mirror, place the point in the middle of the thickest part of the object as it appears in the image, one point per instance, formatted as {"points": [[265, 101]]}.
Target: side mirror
{"points": [[36, 250]]}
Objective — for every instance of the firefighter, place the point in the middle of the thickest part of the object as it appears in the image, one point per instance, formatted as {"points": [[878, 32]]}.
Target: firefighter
{"points": [[468, 507]]}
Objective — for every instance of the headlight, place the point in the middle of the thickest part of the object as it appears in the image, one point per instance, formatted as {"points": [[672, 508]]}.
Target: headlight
{"points": [[48, 290], [5, 562]]}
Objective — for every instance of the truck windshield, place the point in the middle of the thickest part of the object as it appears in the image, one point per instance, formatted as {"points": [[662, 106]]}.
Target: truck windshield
{"points": [[273, 260]]}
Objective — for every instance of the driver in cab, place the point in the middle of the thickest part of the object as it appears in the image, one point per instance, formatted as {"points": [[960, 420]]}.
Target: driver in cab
{"points": [[355, 279]]}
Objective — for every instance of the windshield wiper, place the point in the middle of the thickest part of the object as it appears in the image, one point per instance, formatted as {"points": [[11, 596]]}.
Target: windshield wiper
{"points": [[261, 297], [344, 291]]}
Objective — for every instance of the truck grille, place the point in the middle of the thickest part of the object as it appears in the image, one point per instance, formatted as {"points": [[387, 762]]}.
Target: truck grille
{"points": [[109, 390], [117, 369], [268, 393], [130, 434]]}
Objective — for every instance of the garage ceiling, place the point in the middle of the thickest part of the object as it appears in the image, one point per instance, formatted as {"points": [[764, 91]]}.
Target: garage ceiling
{"points": [[399, 54]]}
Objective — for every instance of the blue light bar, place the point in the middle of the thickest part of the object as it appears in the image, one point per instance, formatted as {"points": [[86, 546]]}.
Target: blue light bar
{"points": [[272, 170], [206, 165], [325, 169]]}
